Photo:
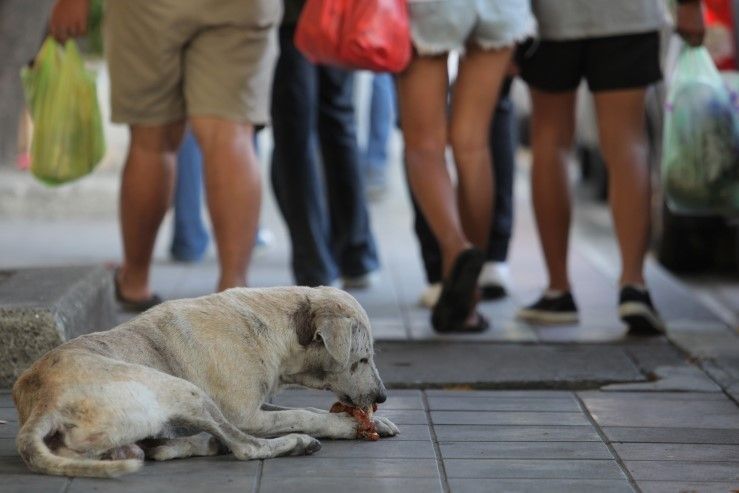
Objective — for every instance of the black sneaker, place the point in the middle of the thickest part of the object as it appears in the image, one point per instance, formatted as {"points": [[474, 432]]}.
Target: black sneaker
{"points": [[636, 309], [551, 310]]}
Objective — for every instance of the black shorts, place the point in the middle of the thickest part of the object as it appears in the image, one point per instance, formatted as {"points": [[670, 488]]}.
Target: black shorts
{"points": [[610, 63]]}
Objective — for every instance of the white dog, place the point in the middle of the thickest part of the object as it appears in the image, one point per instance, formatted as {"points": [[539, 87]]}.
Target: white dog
{"points": [[98, 404]]}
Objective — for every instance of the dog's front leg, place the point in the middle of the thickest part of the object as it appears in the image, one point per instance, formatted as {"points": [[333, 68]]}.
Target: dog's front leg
{"points": [[279, 422], [273, 407]]}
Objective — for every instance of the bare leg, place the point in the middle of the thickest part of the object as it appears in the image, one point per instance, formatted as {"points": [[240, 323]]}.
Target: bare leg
{"points": [[233, 190], [552, 130], [422, 91], [623, 142], [473, 101], [146, 193]]}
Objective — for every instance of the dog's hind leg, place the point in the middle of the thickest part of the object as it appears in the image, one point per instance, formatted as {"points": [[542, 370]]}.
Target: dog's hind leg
{"points": [[199, 412], [200, 445]]}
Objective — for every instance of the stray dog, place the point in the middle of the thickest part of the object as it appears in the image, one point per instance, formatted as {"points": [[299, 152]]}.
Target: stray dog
{"points": [[97, 405]]}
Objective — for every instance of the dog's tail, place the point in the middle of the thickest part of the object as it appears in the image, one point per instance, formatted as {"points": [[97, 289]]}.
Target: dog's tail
{"points": [[39, 457]]}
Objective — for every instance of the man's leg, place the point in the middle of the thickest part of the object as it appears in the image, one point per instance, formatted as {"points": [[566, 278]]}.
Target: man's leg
{"points": [[146, 193], [552, 131], [352, 240], [381, 120], [622, 135], [233, 192]]}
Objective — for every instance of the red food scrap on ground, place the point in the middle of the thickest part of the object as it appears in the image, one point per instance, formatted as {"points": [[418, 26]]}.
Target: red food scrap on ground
{"points": [[366, 429]]}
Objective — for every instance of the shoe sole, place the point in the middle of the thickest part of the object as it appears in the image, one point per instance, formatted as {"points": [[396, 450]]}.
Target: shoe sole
{"points": [[640, 319], [548, 318]]}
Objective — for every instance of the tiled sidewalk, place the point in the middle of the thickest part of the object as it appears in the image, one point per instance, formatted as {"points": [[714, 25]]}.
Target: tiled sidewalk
{"points": [[515, 441]]}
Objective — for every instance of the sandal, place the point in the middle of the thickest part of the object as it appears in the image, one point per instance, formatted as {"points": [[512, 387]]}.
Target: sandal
{"points": [[481, 325], [457, 294], [133, 306]]}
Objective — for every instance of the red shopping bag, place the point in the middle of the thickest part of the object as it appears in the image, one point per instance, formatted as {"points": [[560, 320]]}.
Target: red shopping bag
{"points": [[357, 34]]}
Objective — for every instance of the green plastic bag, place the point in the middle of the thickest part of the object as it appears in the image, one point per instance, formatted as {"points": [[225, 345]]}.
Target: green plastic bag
{"points": [[61, 95], [700, 160]]}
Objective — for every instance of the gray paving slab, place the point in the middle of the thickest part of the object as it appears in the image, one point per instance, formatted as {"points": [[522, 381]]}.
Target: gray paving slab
{"points": [[658, 470], [671, 378], [12, 465], [462, 403], [222, 465], [686, 487], [32, 483], [404, 417], [650, 410], [298, 467], [6, 401], [532, 469], [671, 435], [7, 447], [508, 394], [420, 364], [9, 429], [539, 485], [508, 418], [413, 433], [386, 448], [8, 414], [353, 485], [190, 482], [512, 433], [677, 451], [524, 450]]}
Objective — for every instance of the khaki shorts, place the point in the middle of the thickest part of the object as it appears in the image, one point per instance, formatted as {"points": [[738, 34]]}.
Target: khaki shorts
{"points": [[171, 59]]}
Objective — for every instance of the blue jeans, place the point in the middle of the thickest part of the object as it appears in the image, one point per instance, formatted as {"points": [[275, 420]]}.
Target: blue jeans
{"points": [[381, 120], [190, 238], [312, 108]]}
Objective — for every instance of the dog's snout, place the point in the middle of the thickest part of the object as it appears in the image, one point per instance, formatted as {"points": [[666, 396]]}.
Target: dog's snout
{"points": [[380, 397]]}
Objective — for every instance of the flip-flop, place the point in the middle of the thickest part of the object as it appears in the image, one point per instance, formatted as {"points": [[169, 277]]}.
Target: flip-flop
{"points": [[481, 325], [457, 294], [133, 306]]}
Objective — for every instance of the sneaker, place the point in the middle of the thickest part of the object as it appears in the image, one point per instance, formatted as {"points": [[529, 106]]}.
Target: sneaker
{"points": [[430, 295], [362, 281], [554, 307], [493, 280], [636, 309]]}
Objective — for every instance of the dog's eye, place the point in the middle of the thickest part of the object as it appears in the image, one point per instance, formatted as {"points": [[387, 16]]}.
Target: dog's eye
{"points": [[364, 360]]}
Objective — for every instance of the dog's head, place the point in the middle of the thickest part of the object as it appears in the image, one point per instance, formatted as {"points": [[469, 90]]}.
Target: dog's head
{"points": [[335, 348]]}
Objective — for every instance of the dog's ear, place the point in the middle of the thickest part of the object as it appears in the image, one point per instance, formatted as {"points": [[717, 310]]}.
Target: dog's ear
{"points": [[336, 334], [304, 323]]}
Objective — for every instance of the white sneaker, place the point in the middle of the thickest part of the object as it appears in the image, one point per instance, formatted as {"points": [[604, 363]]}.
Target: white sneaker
{"points": [[430, 295], [494, 280], [360, 282]]}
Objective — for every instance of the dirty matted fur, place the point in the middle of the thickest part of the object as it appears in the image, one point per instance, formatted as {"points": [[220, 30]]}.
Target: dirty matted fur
{"points": [[97, 405]]}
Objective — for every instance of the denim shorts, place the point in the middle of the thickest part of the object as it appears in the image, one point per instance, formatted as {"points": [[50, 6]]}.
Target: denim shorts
{"points": [[440, 26]]}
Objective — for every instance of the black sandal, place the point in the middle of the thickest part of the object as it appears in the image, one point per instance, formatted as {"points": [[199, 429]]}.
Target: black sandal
{"points": [[457, 294], [133, 306]]}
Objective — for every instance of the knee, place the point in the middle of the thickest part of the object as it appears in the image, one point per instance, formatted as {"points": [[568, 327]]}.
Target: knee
{"points": [[163, 139], [469, 146]]}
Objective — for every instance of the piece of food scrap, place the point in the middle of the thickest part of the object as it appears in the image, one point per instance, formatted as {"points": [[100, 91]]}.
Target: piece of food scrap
{"points": [[366, 429]]}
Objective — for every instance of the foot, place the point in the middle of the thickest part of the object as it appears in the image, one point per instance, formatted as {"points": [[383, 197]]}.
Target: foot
{"points": [[458, 295], [430, 295], [493, 280], [636, 309], [363, 281], [130, 302], [553, 308]]}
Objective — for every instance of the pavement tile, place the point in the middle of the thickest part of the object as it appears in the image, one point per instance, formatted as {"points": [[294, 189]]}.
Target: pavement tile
{"points": [[659, 470], [298, 467], [677, 451], [7, 447], [650, 410], [189, 482], [31, 483], [509, 394], [387, 448], [462, 403], [524, 450], [9, 429], [671, 435], [412, 433], [539, 485], [226, 465], [409, 417], [532, 469], [6, 401], [686, 487], [8, 414], [13, 465], [507, 418], [673, 378], [512, 433], [353, 485]]}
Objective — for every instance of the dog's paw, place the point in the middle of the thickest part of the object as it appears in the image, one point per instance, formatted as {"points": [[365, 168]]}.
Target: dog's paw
{"points": [[306, 444], [385, 427]]}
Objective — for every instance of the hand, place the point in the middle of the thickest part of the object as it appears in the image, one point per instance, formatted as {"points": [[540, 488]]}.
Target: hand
{"points": [[689, 22], [69, 19]]}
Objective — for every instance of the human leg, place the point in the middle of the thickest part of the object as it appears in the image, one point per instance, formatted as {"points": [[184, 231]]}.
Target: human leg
{"points": [[381, 120], [146, 193], [351, 235]]}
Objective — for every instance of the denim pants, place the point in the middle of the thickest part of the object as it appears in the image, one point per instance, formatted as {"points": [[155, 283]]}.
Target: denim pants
{"points": [[321, 199], [381, 120], [503, 141], [190, 238]]}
